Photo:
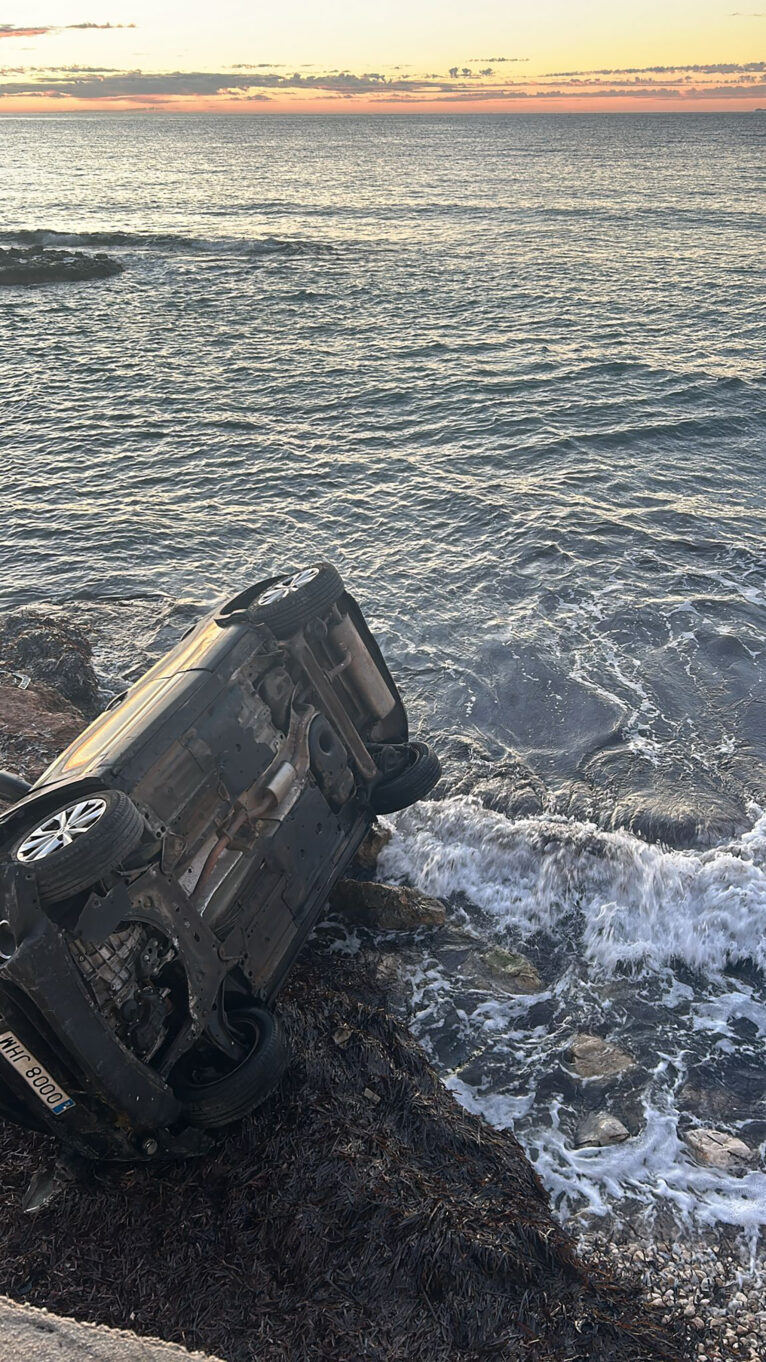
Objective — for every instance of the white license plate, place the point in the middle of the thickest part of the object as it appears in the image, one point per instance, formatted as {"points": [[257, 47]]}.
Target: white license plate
{"points": [[43, 1086]]}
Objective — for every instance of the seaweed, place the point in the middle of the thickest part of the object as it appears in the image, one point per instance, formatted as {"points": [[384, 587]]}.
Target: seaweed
{"points": [[360, 1214]]}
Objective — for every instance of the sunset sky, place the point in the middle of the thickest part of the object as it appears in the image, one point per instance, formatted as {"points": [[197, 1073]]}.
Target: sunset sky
{"points": [[339, 56]]}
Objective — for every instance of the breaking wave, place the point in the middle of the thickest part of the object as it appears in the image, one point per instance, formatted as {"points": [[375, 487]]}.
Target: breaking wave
{"points": [[170, 242], [640, 904]]}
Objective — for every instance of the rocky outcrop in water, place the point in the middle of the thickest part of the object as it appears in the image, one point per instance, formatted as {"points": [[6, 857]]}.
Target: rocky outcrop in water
{"points": [[592, 1057], [717, 1149], [601, 1128], [30, 265], [513, 971], [386, 907]]}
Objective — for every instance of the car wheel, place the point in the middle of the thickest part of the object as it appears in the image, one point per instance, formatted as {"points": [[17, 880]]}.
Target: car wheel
{"points": [[418, 778], [291, 602], [214, 1091], [78, 843]]}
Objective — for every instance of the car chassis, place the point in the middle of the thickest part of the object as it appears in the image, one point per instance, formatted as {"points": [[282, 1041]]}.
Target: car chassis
{"points": [[159, 879]]}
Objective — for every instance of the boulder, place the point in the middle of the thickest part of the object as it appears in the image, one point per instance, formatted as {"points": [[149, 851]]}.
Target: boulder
{"points": [[386, 907], [515, 972], [717, 1149], [377, 838], [592, 1057], [600, 1128]]}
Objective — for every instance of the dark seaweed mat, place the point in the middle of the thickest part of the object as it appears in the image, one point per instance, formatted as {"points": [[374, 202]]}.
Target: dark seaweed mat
{"points": [[330, 1225]]}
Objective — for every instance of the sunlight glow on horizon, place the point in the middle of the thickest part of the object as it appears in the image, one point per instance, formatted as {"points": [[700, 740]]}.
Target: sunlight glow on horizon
{"points": [[401, 56]]}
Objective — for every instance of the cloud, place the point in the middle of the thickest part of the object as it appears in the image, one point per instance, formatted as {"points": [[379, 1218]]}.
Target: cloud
{"points": [[12, 31], [707, 69], [461, 86]]}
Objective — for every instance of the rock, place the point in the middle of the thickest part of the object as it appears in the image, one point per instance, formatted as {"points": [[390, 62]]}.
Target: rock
{"points": [[35, 726], [53, 652], [705, 1101], [717, 1149], [386, 907], [35, 265], [592, 1057], [600, 1128], [377, 838], [516, 972]]}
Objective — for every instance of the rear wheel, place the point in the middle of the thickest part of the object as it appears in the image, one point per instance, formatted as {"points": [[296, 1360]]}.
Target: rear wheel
{"points": [[215, 1089], [414, 781], [78, 843], [291, 602]]}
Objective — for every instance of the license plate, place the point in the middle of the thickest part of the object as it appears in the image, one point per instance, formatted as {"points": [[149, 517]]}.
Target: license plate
{"points": [[43, 1086]]}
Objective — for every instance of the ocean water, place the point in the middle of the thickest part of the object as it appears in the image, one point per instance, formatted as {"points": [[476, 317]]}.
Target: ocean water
{"points": [[508, 373]]}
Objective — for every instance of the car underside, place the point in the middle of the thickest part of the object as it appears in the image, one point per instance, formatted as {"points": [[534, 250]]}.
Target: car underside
{"points": [[159, 879]]}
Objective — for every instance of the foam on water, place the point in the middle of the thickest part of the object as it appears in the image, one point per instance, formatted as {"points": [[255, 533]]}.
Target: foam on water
{"points": [[641, 903], [614, 923]]}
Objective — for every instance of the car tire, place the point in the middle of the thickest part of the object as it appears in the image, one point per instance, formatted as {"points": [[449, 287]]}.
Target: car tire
{"points": [[413, 783], [111, 827], [290, 602], [218, 1101]]}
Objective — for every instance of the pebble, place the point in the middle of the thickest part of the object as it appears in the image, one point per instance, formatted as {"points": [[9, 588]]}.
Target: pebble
{"points": [[711, 1282]]}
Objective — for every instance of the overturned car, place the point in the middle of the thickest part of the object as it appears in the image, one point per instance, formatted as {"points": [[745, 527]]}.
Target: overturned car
{"points": [[160, 878]]}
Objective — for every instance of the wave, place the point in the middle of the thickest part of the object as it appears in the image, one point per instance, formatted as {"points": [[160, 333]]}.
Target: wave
{"points": [[170, 242], [640, 904]]}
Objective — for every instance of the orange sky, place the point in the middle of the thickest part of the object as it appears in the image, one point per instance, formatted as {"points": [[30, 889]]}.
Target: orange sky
{"points": [[429, 56]]}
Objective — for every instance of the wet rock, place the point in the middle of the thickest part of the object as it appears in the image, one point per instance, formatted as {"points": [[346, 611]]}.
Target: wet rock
{"points": [[35, 726], [30, 265], [386, 907], [53, 652], [600, 1128], [377, 838], [717, 1149], [662, 815], [515, 972], [705, 1101], [592, 1057]]}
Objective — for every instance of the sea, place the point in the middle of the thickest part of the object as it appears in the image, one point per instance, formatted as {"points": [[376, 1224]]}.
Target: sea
{"points": [[509, 374]]}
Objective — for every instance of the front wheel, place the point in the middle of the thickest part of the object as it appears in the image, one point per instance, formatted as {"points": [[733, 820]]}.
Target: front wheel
{"points": [[215, 1090], [420, 773], [78, 843]]}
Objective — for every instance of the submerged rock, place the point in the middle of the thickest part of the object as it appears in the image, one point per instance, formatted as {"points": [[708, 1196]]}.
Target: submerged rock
{"points": [[377, 838], [592, 1057], [515, 972], [386, 907], [29, 265], [601, 1128], [717, 1149]]}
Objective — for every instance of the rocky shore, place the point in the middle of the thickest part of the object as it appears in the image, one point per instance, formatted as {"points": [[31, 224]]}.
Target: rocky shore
{"points": [[31, 265], [362, 1212]]}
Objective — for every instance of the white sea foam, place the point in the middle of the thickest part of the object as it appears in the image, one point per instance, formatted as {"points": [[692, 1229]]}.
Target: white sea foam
{"points": [[640, 903], [617, 901]]}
